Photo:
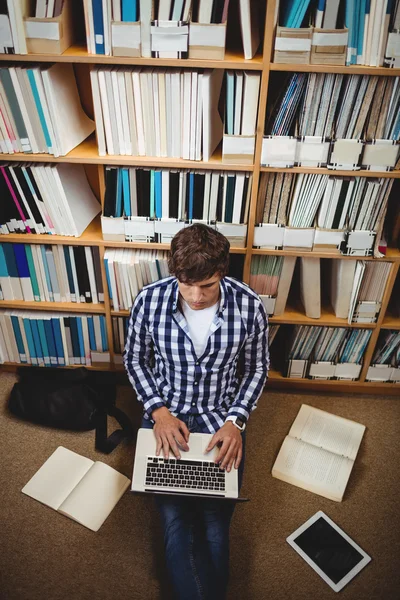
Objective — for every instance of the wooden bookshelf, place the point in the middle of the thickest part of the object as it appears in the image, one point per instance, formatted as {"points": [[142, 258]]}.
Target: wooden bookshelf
{"points": [[86, 153]]}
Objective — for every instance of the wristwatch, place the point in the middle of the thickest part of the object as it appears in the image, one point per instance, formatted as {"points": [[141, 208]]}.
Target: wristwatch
{"points": [[239, 423]]}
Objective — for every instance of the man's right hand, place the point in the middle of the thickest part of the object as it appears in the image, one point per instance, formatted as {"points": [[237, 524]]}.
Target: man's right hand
{"points": [[171, 433]]}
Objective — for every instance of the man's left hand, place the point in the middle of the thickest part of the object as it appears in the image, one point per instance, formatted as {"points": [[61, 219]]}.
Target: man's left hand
{"points": [[229, 439]]}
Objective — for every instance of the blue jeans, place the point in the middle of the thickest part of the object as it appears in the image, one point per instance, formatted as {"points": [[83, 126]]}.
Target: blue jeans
{"points": [[196, 538]]}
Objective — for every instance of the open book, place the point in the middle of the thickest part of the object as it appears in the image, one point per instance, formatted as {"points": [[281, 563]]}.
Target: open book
{"points": [[77, 487], [319, 452]]}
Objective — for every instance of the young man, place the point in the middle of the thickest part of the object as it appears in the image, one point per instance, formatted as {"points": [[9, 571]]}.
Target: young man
{"points": [[186, 336]]}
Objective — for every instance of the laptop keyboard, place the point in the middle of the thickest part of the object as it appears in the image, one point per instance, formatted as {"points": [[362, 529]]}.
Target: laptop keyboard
{"points": [[184, 474]]}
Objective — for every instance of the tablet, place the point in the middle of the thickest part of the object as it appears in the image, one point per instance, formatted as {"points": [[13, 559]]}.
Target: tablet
{"points": [[328, 550]]}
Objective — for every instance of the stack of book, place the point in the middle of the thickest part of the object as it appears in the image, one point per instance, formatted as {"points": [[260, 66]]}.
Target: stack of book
{"points": [[43, 273], [52, 339], [44, 198], [41, 110], [157, 112], [128, 271], [182, 195]]}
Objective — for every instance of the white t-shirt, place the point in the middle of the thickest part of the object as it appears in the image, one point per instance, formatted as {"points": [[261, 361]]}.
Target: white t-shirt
{"points": [[199, 322]]}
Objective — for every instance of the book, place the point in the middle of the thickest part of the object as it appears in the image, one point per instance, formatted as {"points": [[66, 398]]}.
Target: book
{"points": [[77, 487], [319, 452]]}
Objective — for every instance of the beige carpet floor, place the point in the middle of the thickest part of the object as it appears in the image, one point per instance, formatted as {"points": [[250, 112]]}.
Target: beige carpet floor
{"points": [[47, 556]]}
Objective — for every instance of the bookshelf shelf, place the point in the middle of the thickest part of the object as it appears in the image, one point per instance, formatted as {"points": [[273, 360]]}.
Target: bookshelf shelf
{"points": [[86, 153], [392, 255], [296, 316], [353, 70], [78, 54], [54, 306], [390, 322], [323, 171]]}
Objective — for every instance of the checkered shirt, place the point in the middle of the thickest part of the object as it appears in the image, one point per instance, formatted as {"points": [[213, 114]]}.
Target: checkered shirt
{"points": [[162, 365]]}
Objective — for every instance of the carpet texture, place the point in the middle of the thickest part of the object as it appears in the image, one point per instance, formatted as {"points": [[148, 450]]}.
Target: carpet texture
{"points": [[47, 556]]}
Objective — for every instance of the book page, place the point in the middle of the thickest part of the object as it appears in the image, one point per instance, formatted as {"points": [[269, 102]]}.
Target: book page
{"points": [[95, 496], [327, 431], [312, 468], [57, 477]]}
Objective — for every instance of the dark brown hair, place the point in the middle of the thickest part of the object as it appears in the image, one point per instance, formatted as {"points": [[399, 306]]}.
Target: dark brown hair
{"points": [[197, 253]]}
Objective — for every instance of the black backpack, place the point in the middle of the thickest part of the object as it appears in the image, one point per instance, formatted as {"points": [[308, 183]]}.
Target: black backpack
{"points": [[74, 399]]}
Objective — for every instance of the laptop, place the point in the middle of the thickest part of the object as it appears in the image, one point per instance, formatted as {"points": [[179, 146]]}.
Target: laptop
{"points": [[194, 474]]}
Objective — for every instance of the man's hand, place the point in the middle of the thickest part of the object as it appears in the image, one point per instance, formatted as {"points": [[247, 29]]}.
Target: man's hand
{"points": [[170, 432], [230, 440]]}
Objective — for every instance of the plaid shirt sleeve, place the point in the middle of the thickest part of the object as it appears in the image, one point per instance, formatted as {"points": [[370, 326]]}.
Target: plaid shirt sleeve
{"points": [[137, 359], [256, 365]]}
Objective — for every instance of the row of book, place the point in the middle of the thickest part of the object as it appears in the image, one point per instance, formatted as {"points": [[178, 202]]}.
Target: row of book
{"points": [[52, 339], [329, 202], [44, 273], [164, 29], [46, 198], [41, 110], [157, 112], [343, 350], [354, 288], [169, 194], [367, 24], [337, 107], [241, 105], [128, 271]]}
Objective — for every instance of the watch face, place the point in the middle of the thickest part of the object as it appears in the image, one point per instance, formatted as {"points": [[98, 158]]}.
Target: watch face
{"points": [[239, 423]]}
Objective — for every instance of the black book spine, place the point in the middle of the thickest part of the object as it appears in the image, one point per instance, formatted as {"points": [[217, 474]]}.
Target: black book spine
{"points": [[243, 217], [219, 198], [82, 273], [198, 200], [97, 272], [173, 194], [111, 191]]}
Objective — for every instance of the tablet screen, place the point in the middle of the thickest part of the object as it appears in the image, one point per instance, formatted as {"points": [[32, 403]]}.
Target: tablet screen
{"points": [[328, 550]]}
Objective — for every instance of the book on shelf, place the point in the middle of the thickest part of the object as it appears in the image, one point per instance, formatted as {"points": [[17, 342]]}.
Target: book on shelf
{"points": [[128, 271], [338, 106], [42, 110], [310, 286], [46, 199], [52, 339], [177, 194], [319, 452], [77, 487], [157, 112], [270, 277], [166, 29], [368, 25], [335, 345], [50, 273], [119, 330], [387, 349]]}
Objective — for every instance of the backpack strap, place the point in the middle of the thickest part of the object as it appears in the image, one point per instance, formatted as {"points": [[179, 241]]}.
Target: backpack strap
{"points": [[108, 444]]}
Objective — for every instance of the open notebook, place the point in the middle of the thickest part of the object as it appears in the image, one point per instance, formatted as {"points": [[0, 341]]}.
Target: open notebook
{"points": [[77, 487]]}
